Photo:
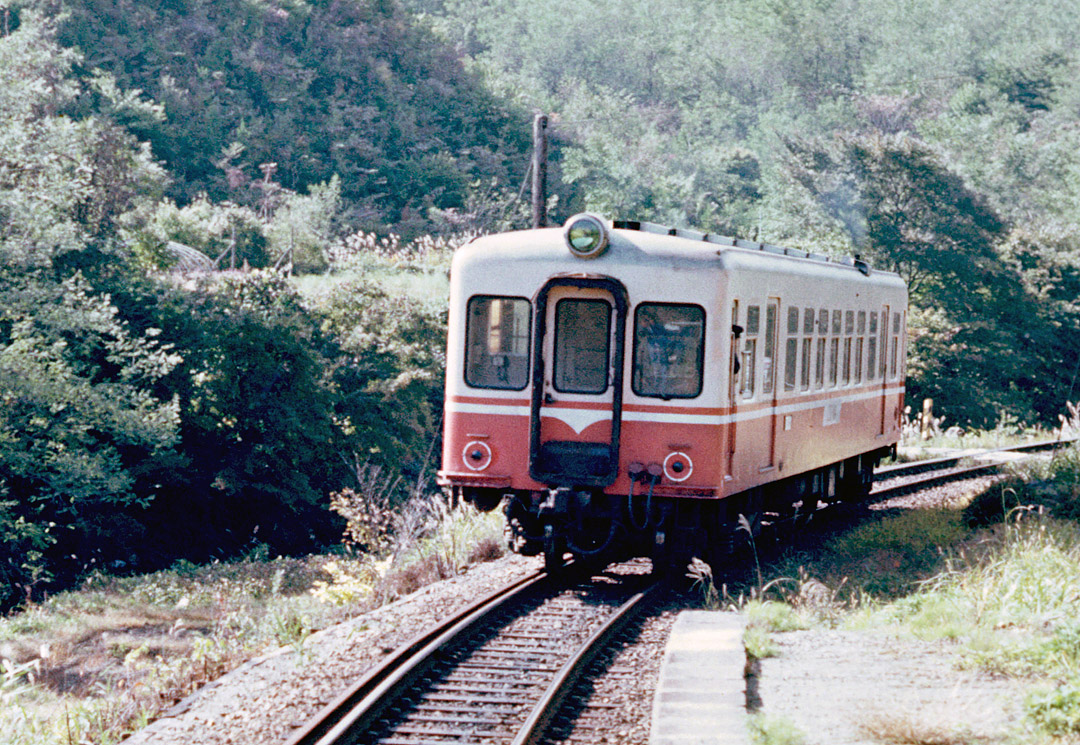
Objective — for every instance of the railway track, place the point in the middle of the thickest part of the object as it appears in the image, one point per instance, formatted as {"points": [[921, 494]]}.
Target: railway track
{"points": [[501, 671], [934, 464], [496, 673], [905, 478]]}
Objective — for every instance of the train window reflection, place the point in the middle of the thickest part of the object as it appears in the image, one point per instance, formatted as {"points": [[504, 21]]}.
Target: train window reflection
{"points": [[582, 333], [669, 344], [497, 342]]}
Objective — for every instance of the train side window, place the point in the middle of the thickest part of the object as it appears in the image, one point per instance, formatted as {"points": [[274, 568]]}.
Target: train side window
{"points": [[669, 350], [849, 329], [791, 362], [749, 354], [895, 346], [871, 351], [808, 321], [807, 353], [883, 345], [768, 366], [582, 339], [497, 342], [819, 359], [791, 349], [834, 347]]}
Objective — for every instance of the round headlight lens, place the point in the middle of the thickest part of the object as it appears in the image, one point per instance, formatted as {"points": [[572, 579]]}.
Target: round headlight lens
{"points": [[586, 236]]}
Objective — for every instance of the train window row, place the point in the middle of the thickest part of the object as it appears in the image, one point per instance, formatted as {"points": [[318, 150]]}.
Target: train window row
{"points": [[823, 348], [668, 352]]}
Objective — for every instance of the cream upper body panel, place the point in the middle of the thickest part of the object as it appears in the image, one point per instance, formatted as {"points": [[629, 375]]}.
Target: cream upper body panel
{"points": [[666, 269]]}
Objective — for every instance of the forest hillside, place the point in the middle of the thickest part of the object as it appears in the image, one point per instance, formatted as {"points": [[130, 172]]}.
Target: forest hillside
{"points": [[147, 419]]}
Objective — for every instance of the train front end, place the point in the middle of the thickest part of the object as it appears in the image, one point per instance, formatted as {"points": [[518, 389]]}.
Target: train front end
{"points": [[577, 393]]}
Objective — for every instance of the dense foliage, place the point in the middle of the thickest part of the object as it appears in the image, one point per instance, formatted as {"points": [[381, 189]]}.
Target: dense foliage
{"points": [[936, 138], [146, 419], [305, 90]]}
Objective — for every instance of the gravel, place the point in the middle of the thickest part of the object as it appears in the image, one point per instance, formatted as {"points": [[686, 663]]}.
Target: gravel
{"points": [[855, 688], [265, 699]]}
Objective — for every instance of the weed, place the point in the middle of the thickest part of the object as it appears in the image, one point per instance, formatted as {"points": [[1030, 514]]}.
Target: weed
{"points": [[701, 574], [773, 616], [771, 730], [1056, 710], [758, 643]]}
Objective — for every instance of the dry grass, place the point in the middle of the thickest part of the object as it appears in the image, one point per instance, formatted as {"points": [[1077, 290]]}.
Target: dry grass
{"points": [[890, 728]]}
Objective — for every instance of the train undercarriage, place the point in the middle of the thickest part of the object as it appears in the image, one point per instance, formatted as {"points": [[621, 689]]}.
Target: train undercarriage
{"points": [[599, 528]]}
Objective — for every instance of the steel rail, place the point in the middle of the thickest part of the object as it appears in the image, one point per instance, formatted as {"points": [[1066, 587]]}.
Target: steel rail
{"points": [[365, 699], [908, 469], [532, 732], [925, 483]]}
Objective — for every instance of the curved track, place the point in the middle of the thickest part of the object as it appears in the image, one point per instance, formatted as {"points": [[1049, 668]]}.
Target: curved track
{"points": [[496, 673]]}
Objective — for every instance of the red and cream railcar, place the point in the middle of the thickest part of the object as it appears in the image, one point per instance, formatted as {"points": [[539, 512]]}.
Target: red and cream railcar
{"points": [[634, 389]]}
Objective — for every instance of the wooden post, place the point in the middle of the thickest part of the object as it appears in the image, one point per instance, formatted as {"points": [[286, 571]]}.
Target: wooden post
{"points": [[927, 423], [539, 171]]}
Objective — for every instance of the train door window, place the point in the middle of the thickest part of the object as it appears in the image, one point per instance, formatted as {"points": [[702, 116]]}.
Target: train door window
{"points": [[819, 360], [871, 351], [669, 346], [582, 336], [791, 349], [497, 342], [768, 369], [749, 355]]}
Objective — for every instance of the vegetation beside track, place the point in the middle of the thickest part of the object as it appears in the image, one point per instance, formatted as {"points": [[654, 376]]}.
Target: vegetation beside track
{"points": [[92, 664], [997, 574]]}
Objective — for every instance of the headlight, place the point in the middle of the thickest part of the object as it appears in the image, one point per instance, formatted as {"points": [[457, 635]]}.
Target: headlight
{"points": [[586, 236]]}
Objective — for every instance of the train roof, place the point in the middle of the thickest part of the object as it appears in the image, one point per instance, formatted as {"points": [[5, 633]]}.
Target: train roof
{"points": [[643, 243]]}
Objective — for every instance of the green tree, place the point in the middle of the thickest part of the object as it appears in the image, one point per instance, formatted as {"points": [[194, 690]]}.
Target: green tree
{"points": [[79, 417]]}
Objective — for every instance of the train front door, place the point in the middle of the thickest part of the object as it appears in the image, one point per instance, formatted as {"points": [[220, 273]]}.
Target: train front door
{"points": [[576, 412]]}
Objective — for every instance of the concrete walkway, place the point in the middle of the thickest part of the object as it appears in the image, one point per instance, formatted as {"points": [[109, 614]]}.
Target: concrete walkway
{"points": [[701, 694]]}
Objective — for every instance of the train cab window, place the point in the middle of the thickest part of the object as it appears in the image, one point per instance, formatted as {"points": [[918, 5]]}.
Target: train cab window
{"points": [[497, 342], [669, 350], [582, 337]]}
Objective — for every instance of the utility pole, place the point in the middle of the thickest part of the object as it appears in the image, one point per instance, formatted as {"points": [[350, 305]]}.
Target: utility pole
{"points": [[539, 171]]}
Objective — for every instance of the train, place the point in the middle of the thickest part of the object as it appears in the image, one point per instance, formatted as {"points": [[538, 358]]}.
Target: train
{"points": [[631, 389]]}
